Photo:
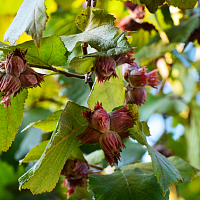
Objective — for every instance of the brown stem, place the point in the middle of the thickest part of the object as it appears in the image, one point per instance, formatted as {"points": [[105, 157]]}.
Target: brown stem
{"points": [[88, 3], [84, 48], [67, 74], [96, 166], [162, 85], [88, 79]]}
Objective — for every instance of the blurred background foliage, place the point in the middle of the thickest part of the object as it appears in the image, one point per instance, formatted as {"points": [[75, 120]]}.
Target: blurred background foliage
{"points": [[167, 40]]}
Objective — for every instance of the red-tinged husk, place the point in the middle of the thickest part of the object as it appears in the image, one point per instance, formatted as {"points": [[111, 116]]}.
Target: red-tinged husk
{"points": [[98, 118], [29, 78], [15, 63], [71, 185], [105, 68], [111, 144], [138, 77], [89, 136], [127, 68], [153, 80], [136, 96], [6, 101], [9, 84], [75, 168], [16, 75], [124, 58], [75, 171], [121, 120]]}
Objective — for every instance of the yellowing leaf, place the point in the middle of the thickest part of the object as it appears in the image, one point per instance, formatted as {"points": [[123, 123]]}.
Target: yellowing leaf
{"points": [[111, 93]]}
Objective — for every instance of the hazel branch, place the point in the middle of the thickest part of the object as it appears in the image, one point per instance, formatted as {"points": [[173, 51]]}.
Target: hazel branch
{"points": [[96, 166], [67, 74]]}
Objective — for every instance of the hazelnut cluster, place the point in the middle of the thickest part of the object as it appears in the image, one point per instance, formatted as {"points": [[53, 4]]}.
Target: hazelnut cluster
{"points": [[15, 74], [108, 129], [75, 171], [104, 67], [137, 78]]}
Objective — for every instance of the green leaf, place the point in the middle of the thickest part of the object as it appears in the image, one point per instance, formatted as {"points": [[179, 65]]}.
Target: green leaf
{"points": [[186, 170], [35, 153], [91, 19], [51, 52], [165, 172], [182, 4], [84, 64], [48, 124], [99, 30], [96, 157], [138, 131], [11, 119], [141, 37], [157, 19], [31, 18], [111, 93], [44, 175], [126, 184], [152, 5]]}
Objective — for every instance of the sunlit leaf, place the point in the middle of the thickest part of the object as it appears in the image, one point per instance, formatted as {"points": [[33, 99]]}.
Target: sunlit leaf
{"points": [[84, 63], [111, 93], [138, 131], [51, 52], [31, 18], [11, 119], [35, 153], [48, 124], [58, 150], [98, 30]]}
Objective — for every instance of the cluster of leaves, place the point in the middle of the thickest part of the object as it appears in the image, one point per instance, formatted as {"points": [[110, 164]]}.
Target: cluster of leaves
{"points": [[97, 28]]}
